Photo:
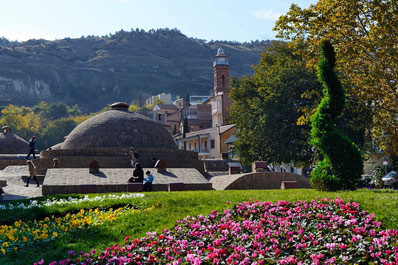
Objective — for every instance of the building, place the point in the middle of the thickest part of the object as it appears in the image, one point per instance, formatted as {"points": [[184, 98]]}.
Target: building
{"points": [[198, 99], [168, 114], [220, 101], [210, 142], [164, 98], [198, 116]]}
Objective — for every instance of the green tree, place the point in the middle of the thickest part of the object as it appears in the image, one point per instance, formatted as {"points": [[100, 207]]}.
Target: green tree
{"points": [[185, 127], [342, 164], [267, 106], [22, 119], [365, 34], [56, 130]]}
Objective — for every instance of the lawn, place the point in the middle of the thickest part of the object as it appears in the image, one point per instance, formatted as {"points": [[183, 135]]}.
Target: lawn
{"points": [[165, 209]]}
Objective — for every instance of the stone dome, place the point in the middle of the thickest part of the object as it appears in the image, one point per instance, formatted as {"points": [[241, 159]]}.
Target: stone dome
{"points": [[119, 128], [11, 143]]}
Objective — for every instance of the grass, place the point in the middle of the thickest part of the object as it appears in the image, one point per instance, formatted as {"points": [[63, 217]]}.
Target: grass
{"points": [[177, 205]]}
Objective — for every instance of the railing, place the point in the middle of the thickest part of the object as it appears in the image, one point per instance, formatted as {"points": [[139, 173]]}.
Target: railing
{"points": [[201, 151]]}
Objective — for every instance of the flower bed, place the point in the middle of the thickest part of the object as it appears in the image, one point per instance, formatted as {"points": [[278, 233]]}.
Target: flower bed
{"points": [[316, 232], [21, 234], [70, 200]]}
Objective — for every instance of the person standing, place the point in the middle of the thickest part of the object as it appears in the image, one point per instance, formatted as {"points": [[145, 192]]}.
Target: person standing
{"points": [[55, 163], [32, 173], [32, 143], [148, 181]]}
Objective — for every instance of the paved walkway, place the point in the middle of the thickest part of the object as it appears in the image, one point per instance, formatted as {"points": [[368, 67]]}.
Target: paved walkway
{"points": [[15, 188], [79, 176]]}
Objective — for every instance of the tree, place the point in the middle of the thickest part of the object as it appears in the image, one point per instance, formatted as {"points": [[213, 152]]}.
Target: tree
{"points": [[342, 164], [365, 34], [56, 130], [267, 106], [185, 127], [22, 119]]}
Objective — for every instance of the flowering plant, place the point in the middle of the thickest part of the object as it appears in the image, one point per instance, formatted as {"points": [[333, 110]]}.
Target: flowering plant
{"points": [[315, 232], [70, 200], [21, 234]]}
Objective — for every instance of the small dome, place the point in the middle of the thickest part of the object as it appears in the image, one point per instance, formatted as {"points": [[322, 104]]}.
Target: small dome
{"points": [[11, 143], [120, 106], [220, 51], [115, 128]]}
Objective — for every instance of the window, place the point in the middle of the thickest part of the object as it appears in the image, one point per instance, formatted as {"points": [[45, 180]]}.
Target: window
{"points": [[195, 145], [189, 146], [212, 145], [205, 145], [159, 117], [223, 80]]}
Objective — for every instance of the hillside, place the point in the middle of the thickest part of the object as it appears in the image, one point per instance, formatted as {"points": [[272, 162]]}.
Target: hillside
{"points": [[95, 71]]}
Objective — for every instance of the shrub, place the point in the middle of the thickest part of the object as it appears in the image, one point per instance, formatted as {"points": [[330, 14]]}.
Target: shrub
{"points": [[342, 159]]}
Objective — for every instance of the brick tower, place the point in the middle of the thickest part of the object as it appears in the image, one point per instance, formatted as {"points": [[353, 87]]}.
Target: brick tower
{"points": [[221, 98]]}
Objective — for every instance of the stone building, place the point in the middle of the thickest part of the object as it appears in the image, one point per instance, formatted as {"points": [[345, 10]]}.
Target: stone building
{"points": [[107, 138], [11, 143]]}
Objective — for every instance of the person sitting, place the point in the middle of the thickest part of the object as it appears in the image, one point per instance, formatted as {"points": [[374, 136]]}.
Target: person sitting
{"points": [[138, 174], [154, 160], [148, 181]]}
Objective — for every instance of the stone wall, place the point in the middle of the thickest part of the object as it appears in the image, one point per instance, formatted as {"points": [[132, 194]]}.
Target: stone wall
{"points": [[8, 162], [216, 165], [73, 189], [116, 158], [263, 180]]}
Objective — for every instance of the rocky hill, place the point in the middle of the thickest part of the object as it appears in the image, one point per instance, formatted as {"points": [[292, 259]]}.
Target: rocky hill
{"points": [[126, 66]]}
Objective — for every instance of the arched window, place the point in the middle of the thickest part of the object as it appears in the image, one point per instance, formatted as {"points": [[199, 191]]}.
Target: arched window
{"points": [[222, 80]]}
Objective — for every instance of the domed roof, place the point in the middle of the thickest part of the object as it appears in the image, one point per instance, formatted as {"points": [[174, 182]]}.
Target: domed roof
{"points": [[11, 143], [220, 51], [119, 128]]}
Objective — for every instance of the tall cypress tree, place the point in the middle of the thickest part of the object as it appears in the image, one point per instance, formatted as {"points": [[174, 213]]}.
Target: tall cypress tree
{"points": [[342, 164]]}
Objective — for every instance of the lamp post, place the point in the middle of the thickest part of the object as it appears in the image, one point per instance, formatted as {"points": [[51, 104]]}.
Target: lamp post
{"points": [[385, 163]]}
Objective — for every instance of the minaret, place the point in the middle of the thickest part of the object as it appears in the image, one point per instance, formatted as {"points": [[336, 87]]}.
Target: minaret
{"points": [[221, 71], [221, 99]]}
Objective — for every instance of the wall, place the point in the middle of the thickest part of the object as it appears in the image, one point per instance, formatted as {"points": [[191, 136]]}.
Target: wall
{"points": [[263, 180], [117, 158]]}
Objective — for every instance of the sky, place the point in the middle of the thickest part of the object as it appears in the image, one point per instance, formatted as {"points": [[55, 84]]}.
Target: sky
{"points": [[233, 20]]}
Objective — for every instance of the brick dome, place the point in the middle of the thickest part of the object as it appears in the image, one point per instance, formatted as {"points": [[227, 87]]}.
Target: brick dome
{"points": [[11, 143], [119, 128]]}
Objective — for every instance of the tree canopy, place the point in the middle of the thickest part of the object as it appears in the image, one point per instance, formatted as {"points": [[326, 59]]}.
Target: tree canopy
{"points": [[267, 106], [365, 36]]}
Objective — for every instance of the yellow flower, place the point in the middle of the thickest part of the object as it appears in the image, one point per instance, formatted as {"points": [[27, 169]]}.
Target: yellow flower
{"points": [[3, 251], [24, 239], [46, 219], [55, 234]]}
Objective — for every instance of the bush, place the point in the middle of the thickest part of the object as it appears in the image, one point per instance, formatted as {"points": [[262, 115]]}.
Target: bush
{"points": [[342, 164], [322, 178]]}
